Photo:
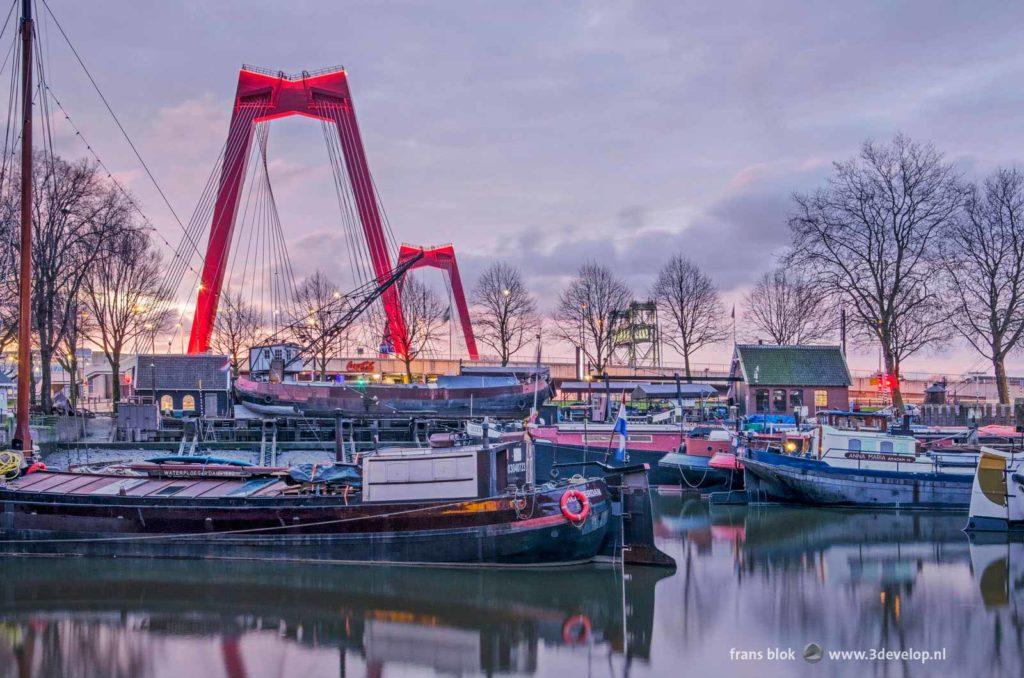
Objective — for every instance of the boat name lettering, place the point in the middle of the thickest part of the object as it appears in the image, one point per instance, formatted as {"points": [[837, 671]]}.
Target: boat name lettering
{"points": [[517, 468], [869, 456], [592, 492]]}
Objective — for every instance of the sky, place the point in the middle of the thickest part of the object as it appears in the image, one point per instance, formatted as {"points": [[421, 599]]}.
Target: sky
{"points": [[551, 133]]}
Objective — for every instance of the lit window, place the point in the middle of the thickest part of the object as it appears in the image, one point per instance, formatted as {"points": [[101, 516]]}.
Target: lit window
{"points": [[188, 403], [821, 398], [166, 403]]}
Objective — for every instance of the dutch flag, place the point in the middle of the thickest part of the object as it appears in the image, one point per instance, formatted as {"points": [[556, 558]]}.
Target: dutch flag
{"points": [[620, 428]]}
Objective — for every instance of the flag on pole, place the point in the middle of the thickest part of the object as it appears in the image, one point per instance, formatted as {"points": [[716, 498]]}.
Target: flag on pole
{"points": [[620, 428]]}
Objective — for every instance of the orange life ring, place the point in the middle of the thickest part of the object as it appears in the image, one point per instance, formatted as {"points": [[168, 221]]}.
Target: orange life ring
{"points": [[576, 630], [584, 502]]}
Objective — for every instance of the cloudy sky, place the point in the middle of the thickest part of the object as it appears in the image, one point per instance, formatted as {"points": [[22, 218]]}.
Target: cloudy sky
{"points": [[547, 133]]}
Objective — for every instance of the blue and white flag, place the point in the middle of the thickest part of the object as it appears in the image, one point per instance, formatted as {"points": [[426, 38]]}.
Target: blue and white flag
{"points": [[620, 428]]}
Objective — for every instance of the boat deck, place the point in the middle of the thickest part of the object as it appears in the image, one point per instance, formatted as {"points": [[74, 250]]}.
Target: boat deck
{"points": [[49, 482]]}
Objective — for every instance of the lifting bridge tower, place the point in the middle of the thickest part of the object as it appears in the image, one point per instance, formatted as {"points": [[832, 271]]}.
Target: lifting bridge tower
{"points": [[324, 95]]}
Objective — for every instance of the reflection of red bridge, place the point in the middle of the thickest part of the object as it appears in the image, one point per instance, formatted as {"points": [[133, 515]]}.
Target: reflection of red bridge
{"points": [[324, 96]]}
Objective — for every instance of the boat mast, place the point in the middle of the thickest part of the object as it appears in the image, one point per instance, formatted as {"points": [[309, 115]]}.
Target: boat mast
{"points": [[22, 435]]}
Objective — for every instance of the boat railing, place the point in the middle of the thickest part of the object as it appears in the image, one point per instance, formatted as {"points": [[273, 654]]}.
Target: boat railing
{"points": [[879, 457]]}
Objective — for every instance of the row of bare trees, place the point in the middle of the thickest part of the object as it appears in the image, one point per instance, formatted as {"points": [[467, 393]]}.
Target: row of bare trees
{"points": [[917, 253], [94, 276]]}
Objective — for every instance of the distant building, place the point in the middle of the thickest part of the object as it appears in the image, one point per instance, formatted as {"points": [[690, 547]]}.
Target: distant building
{"points": [[981, 387], [192, 384], [8, 394], [771, 379]]}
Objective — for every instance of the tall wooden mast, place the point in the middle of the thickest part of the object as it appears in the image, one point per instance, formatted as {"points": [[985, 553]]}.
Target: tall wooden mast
{"points": [[22, 435]]}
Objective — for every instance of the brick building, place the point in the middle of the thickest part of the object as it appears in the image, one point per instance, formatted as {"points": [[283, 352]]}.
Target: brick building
{"points": [[770, 379], [192, 384]]}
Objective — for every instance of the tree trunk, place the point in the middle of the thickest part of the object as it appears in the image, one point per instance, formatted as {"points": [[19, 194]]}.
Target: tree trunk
{"points": [[73, 378], [686, 362], [31, 382], [45, 399], [892, 369], [1002, 386], [408, 369], [115, 382]]}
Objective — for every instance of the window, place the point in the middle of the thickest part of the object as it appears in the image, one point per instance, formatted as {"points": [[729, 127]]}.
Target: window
{"points": [[188, 403], [166, 403], [761, 400], [821, 398], [796, 399], [854, 444], [885, 446], [779, 400]]}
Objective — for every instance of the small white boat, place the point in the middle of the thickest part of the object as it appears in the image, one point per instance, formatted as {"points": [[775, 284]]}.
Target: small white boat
{"points": [[997, 496]]}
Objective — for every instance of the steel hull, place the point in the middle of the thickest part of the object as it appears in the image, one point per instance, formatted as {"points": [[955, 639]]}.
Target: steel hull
{"points": [[694, 472], [473, 532], [511, 401], [775, 477]]}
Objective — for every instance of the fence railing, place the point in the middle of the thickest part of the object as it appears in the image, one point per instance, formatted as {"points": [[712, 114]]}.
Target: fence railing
{"points": [[967, 414]]}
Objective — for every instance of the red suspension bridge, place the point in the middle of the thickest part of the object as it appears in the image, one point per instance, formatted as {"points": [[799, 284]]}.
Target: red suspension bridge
{"points": [[263, 96]]}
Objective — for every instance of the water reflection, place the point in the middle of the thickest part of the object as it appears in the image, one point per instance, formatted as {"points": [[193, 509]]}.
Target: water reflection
{"points": [[82, 617], [748, 578], [773, 576]]}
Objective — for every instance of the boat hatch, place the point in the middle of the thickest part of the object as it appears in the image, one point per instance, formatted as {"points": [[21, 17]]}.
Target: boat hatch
{"points": [[169, 490], [251, 487]]}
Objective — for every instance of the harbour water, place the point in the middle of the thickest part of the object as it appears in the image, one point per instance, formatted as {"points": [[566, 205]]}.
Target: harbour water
{"points": [[754, 586]]}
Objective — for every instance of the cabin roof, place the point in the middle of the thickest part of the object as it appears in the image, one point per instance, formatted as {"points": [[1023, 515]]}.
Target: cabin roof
{"points": [[770, 365], [182, 372], [670, 391]]}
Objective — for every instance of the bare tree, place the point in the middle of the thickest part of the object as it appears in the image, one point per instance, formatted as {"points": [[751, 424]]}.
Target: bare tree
{"points": [[124, 296], [505, 313], [689, 300], [75, 213], [870, 237], [584, 315], [8, 276], [425, 318], [79, 328], [789, 308], [239, 326], [983, 253], [316, 312]]}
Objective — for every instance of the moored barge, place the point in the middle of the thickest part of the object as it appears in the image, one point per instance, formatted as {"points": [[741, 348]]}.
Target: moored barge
{"points": [[467, 505], [509, 394]]}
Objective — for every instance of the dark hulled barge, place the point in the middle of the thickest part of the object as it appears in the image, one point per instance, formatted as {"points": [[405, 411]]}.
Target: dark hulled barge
{"points": [[468, 505]]}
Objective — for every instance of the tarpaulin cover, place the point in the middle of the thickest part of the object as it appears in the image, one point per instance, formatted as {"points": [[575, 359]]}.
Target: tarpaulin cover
{"points": [[329, 474]]}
